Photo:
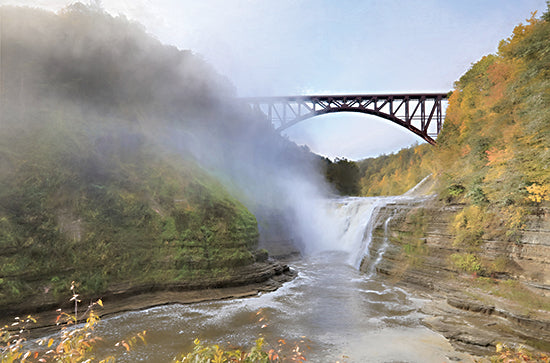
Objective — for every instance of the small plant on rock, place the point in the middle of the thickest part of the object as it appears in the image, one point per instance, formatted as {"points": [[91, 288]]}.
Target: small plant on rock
{"points": [[75, 343], [506, 354]]}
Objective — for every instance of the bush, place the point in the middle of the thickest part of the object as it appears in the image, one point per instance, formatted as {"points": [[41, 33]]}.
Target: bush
{"points": [[520, 354], [76, 343], [467, 262], [214, 353], [468, 227]]}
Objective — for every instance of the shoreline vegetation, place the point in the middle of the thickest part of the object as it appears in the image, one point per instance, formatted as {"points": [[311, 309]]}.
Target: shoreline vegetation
{"points": [[76, 341]]}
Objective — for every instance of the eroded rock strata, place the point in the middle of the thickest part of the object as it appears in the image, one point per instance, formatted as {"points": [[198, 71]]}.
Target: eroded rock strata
{"points": [[509, 304]]}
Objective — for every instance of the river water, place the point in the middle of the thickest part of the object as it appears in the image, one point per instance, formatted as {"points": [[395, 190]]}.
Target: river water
{"points": [[331, 310]]}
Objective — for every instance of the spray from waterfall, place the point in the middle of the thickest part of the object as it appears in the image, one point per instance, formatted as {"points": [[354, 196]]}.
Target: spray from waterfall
{"points": [[117, 87]]}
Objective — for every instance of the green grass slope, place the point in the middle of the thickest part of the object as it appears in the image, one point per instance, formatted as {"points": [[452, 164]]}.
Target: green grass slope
{"points": [[93, 188], [84, 210]]}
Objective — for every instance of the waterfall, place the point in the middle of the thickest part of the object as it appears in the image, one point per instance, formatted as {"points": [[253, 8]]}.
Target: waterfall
{"points": [[382, 249], [352, 223], [347, 224]]}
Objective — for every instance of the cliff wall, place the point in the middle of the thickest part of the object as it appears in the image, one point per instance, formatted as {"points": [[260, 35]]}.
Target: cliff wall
{"points": [[507, 300]]}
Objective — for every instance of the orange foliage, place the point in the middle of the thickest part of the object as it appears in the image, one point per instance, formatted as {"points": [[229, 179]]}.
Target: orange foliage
{"points": [[466, 149], [499, 74], [496, 156]]}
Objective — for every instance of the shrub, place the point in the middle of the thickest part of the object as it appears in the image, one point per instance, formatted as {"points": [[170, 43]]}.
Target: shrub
{"points": [[216, 354], [74, 344], [468, 262], [469, 226], [517, 355]]}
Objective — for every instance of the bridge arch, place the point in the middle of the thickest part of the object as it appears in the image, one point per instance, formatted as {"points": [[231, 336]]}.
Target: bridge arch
{"points": [[421, 114]]}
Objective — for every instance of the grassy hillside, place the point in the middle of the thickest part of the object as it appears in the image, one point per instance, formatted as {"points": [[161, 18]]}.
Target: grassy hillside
{"points": [[71, 210], [96, 185]]}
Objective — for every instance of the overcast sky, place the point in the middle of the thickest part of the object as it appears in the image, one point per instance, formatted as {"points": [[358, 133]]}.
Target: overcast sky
{"points": [[291, 47]]}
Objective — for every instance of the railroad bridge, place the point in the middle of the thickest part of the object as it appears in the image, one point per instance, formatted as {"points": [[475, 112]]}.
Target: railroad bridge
{"points": [[420, 113]]}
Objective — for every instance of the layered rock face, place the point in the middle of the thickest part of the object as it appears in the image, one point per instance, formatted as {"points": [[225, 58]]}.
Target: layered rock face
{"points": [[508, 302], [533, 252]]}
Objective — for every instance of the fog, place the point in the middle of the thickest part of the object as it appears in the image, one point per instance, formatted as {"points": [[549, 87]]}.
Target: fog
{"points": [[84, 72]]}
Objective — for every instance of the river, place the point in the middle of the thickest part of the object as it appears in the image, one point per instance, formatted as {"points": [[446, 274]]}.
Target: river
{"points": [[331, 310]]}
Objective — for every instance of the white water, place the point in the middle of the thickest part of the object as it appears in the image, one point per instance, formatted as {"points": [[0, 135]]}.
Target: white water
{"points": [[348, 227], [344, 315], [381, 250], [353, 223]]}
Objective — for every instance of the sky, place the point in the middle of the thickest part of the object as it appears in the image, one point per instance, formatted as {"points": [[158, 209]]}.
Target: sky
{"points": [[294, 47]]}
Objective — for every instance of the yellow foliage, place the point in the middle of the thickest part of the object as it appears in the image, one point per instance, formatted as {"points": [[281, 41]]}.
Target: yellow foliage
{"points": [[469, 226], [465, 150], [515, 218], [539, 193], [506, 354]]}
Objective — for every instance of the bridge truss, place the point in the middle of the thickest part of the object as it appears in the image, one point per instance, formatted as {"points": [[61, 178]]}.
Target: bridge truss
{"points": [[421, 113]]}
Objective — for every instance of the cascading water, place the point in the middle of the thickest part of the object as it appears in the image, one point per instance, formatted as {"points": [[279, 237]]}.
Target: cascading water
{"points": [[344, 315], [381, 250], [353, 222]]}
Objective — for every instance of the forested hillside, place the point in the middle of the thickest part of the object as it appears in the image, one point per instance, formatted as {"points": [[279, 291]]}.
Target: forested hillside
{"points": [[109, 141], [494, 149], [343, 175], [391, 174], [394, 174]]}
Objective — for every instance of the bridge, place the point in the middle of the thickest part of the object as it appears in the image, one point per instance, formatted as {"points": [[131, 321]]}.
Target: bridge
{"points": [[420, 113]]}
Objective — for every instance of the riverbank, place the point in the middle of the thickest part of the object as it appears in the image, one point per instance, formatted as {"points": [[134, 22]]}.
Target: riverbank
{"points": [[252, 280], [474, 312], [473, 319]]}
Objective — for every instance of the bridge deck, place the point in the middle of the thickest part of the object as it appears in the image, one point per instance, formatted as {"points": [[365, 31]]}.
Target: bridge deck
{"points": [[420, 113]]}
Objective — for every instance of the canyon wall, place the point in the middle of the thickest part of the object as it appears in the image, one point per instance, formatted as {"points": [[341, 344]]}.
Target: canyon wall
{"points": [[507, 300]]}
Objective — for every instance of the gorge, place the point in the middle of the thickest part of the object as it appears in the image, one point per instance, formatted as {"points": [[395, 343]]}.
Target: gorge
{"points": [[128, 175], [330, 310]]}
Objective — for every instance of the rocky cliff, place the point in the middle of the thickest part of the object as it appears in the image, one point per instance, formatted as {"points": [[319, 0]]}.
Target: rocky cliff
{"points": [[507, 301]]}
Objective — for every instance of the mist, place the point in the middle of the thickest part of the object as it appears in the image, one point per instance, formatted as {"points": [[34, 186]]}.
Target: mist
{"points": [[112, 89]]}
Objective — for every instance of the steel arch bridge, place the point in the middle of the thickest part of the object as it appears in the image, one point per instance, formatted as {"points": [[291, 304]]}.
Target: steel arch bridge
{"points": [[420, 113]]}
